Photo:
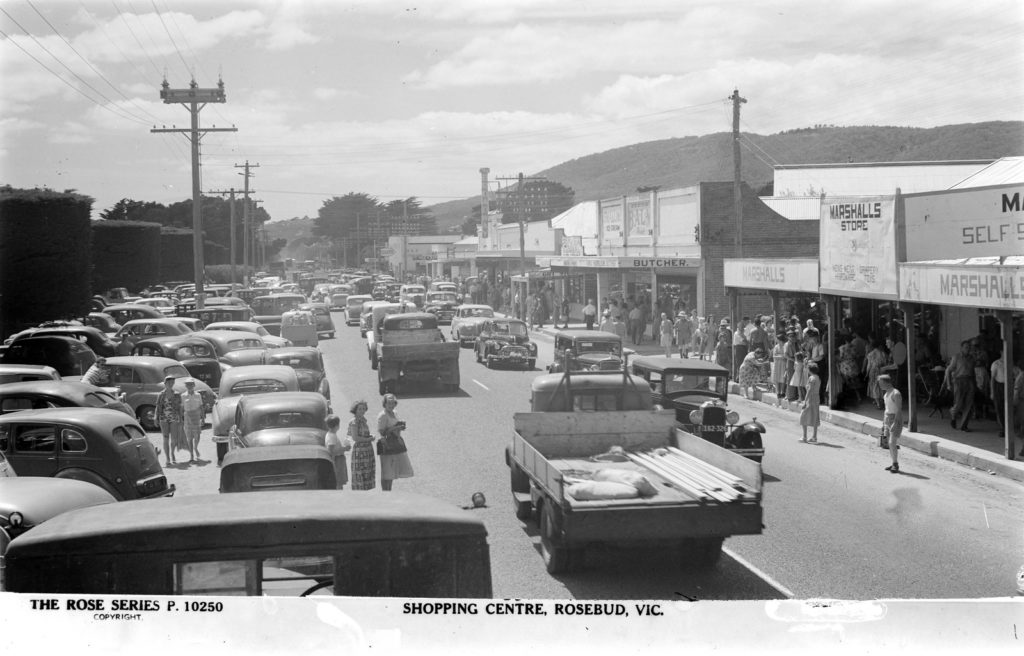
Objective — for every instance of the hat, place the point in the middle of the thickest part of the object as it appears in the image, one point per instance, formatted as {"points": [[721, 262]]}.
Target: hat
{"points": [[167, 378], [190, 381], [682, 313], [723, 322]]}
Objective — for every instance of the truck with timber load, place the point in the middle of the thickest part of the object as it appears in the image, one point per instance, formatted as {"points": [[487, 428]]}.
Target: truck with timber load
{"points": [[595, 462], [411, 348]]}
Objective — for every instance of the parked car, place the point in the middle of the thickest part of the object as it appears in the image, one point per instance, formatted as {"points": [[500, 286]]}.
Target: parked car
{"points": [[698, 391], [191, 323], [141, 380], [308, 363], [354, 308], [587, 350], [272, 341], [338, 296], [213, 314], [265, 469], [268, 309], [442, 304], [102, 321], [505, 341], [162, 305], [322, 314], [299, 327], [240, 381], [197, 354], [246, 294], [16, 373], [125, 312], [281, 543], [235, 348], [28, 501], [467, 320], [96, 445], [414, 294], [134, 330], [281, 418], [94, 338], [39, 394], [67, 355]]}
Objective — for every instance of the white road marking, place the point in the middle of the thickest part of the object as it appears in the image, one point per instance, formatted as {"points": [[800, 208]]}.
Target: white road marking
{"points": [[481, 385], [985, 510], [764, 577]]}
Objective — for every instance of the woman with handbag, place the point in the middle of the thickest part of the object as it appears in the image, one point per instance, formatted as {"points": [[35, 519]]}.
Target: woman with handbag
{"points": [[394, 457], [364, 464]]}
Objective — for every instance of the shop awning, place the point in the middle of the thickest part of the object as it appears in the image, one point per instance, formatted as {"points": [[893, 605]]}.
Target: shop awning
{"points": [[995, 283]]}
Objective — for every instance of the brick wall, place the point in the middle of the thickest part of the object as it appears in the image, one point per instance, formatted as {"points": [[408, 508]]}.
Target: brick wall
{"points": [[766, 234]]}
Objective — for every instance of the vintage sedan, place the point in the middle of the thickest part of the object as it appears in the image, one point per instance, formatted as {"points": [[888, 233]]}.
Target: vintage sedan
{"points": [[265, 469], [254, 379], [17, 373], [39, 394], [125, 312], [354, 308], [413, 293], [68, 356], [272, 341], [442, 305], [587, 350], [308, 363], [505, 341], [366, 318], [339, 297], [197, 354], [141, 379], [235, 348], [101, 321], [281, 418], [101, 344], [467, 321], [103, 447], [322, 314], [163, 305], [213, 314], [268, 309], [132, 331]]}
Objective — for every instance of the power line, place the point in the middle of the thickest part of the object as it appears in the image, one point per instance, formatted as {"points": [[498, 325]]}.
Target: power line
{"points": [[121, 15], [169, 36]]}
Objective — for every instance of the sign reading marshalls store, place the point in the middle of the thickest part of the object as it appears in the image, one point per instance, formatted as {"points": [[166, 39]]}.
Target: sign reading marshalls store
{"points": [[858, 246]]}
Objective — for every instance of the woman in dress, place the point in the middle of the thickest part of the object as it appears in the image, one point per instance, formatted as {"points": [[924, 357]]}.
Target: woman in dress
{"points": [[364, 462], [337, 447], [169, 415], [809, 414], [394, 465], [750, 372], [873, 363], [849, 368], [779, 378], [666, 334], [193, 412]]}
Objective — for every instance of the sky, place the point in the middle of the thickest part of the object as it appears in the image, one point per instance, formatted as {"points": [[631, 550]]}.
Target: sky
{"points": [[411, 98]]}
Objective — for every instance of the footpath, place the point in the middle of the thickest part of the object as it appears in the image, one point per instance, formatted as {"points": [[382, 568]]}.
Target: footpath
{"points": [[981, 449]]}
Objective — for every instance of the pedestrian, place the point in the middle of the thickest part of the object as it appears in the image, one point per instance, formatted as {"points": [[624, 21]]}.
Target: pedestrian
{"points": [[607, 324], [873, 363], [798, 383], [565, 315], [817, 355], [960, 378], [1018, 403], [223, 443], [684, 334], [98, 374], [892, 421], [723, 353], [193, 413], [364, 462], [393, 463], [779, 379], [619, 328], [740, 346], [791, 351], [997, 390], [698, 340], [666, 328], [169, 415], [589, 313], [337, 447], [750, 372], [809, 412], [635, 325]]}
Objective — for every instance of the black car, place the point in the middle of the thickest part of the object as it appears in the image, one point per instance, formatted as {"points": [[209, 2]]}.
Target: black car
{"points": [[94, 338], [587, 350], [505, 341], [39, 394], [442, 305], [308, 364], [67, 355]]}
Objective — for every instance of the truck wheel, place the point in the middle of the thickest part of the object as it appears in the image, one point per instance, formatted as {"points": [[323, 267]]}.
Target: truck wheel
{"points": [[556, 557], [147, 418], [523, 509], [488, 362]]}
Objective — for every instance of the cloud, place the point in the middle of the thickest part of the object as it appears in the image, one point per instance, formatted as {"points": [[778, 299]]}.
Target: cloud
{"points": [[71, 132]]}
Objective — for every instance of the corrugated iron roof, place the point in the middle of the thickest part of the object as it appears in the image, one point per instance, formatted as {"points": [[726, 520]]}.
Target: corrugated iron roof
{"points": [[1008, 170]]}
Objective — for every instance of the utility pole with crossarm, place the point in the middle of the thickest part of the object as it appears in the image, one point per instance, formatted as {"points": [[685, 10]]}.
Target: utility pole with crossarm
{"points": [[195, 99]]}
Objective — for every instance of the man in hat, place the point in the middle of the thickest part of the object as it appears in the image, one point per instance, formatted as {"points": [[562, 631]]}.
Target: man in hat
{"points": [[684, 334], [193, 411]]}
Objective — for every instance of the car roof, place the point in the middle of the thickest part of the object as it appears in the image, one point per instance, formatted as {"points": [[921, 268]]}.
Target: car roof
{"points": [[466, 306], [146, 361], [171, 340], [661, 363], [239, 324], [284, 401], [38, 498], [589, 381], [148, 321], [225, 335], [291, 351], [267, 519], [591, 334], [278, 371], [17, 368], [53, 339], [427, 318], [99, 419], [52, 387]]}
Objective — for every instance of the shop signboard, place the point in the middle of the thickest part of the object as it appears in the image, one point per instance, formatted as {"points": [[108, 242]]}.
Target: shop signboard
{"points": [[611, 222], [858, 246], [977, 283], [623, 262], [779, 274], [958, 223], [638, 217], [572, 245]]}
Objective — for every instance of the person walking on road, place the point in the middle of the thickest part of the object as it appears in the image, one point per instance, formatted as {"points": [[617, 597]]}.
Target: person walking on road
{"points": [[684, 334], [589, 313], [810, 415], [193, 414], [607, 324], [892, 421], [389, 426], [779, 369], [168, 413], [666, 334], [960, 378], [364, 462]]}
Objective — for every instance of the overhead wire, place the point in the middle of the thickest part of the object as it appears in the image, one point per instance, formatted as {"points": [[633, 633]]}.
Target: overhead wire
{"points": [[171, 37], [121, 15]]}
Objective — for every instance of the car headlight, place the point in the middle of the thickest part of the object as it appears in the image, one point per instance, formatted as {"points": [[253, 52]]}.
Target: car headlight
{"points": [[732, 417]]}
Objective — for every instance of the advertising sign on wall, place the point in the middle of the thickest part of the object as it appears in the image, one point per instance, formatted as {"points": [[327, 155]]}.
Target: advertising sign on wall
{"points": [[611, 219], [572, 245], [965, 223], [858, 246], [996, 286], [638, 217], [780, 274]]}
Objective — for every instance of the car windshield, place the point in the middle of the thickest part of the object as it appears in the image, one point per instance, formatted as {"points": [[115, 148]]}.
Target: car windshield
{"points": [[258, 386], [442, 297], [298, 361], [517, 329], [194, 351], [175, 370], [287, 419], [591, 346], [677, 382]]}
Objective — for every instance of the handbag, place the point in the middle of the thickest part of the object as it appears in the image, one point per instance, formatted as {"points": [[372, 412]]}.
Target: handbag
{"points": [[391, 444]]}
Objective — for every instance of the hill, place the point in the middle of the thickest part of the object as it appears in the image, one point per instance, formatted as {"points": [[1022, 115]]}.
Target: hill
{"points": [[686, 161]]}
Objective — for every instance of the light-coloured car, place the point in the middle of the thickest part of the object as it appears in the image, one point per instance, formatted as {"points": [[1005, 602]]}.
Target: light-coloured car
{"points": [[272, 341], [467, 322], [164, 305], [254, 379], [141, 379]]}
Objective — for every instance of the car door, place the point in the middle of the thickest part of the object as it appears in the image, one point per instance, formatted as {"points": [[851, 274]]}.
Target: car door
{"points": [[31, 448], [128, 380]]}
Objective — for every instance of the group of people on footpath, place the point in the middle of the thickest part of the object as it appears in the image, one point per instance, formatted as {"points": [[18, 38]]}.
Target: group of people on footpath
{"points": [[181, 417], [388, 445]]}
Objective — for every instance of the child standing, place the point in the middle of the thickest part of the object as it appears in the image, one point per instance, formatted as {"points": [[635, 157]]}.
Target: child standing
{"points": [[798, 383], [337, 447]]}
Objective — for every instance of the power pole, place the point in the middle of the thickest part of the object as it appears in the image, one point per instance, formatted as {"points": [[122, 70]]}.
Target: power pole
{"points": [[195, 99], [520, 211], [234, 278], [246, 218], [485, 205], [737, 202]]}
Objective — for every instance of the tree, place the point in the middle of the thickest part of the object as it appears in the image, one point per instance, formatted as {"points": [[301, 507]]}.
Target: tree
{"points": [[125, 254]]}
